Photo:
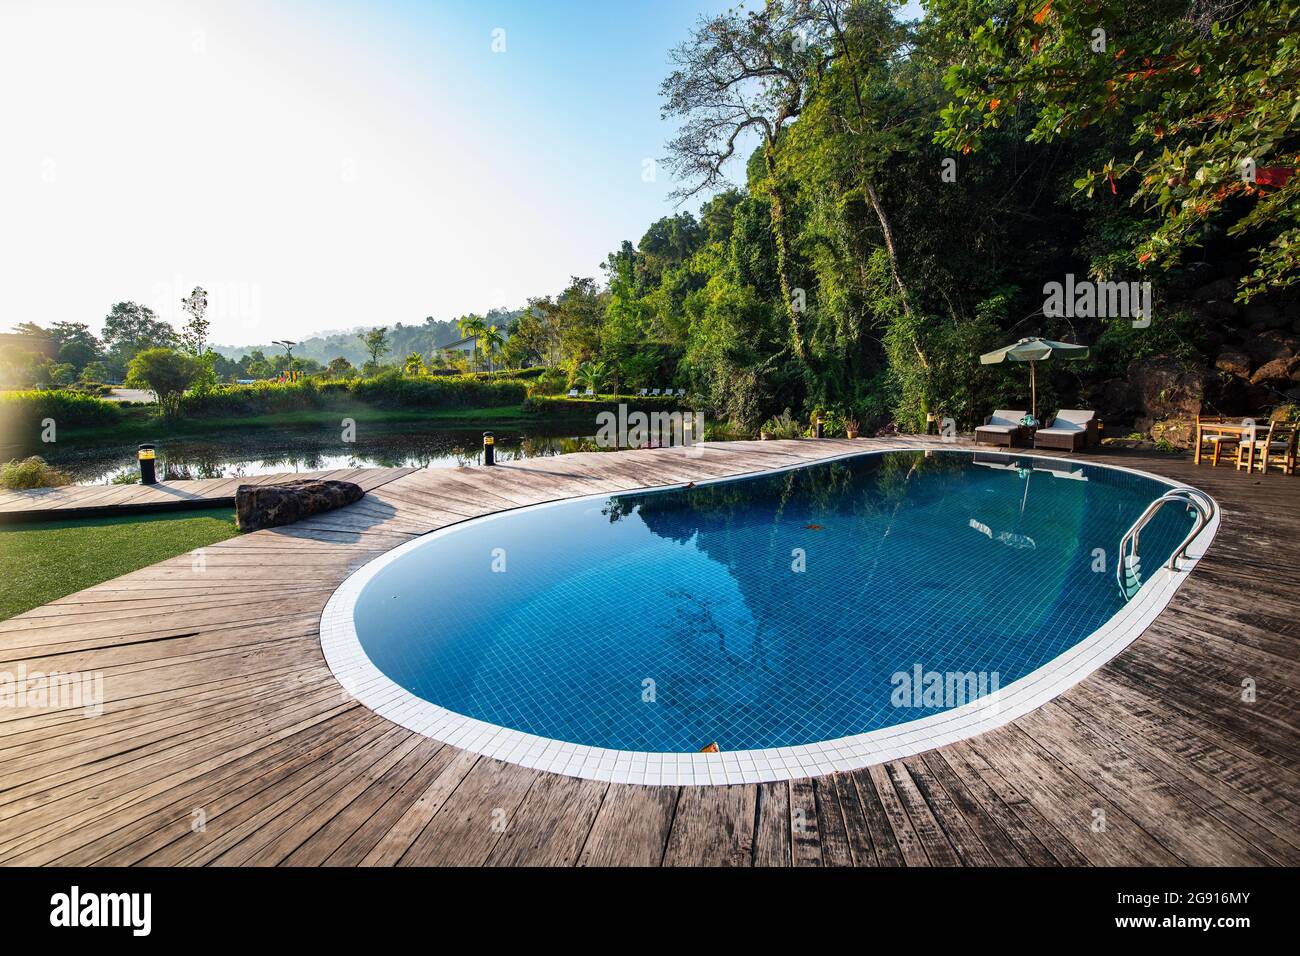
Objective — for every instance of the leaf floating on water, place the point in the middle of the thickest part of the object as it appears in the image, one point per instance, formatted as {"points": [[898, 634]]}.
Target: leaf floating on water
{"points": [[813, 527], [712, 748]]}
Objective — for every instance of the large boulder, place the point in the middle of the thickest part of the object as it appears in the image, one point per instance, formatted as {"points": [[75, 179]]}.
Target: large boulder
{"points": [[269, 506], [1279, 373], [1234, 362], [1163, 387], [1268, 346], [1262, 316], [1113, 399], [1218, 290]]}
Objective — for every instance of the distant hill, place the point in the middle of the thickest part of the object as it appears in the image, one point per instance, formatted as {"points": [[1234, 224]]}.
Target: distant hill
{"points": [[424, 338]]}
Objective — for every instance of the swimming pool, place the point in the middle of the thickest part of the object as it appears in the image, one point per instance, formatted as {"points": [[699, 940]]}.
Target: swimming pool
{"points": [[816, 618]]}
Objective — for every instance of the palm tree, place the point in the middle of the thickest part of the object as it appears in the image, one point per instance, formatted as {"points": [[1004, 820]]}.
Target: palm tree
{"points": [[473, 327], [592, 375], [415, 365], [493, 341]]}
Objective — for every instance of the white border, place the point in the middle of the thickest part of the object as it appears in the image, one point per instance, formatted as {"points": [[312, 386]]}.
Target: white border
{"points": [[365, 682]]}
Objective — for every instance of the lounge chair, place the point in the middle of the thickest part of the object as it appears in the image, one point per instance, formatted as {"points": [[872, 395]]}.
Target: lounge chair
{"points": [[1277, 448], [681, 393], [588, 392], [655, 392], [1001, 428], [573, 393], [1070, 430], [643, 391]]}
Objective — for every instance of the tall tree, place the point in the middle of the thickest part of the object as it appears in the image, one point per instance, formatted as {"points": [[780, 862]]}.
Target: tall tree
{"points": [[130, 328], [743, 75]]}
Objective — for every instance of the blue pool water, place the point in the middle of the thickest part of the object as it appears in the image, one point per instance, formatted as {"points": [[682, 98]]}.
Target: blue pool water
{"points": [[664, 621]]}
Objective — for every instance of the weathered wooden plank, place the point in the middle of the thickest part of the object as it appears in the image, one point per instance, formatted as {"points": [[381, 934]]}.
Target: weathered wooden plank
{"points": [[713, 826], [631, 827], [772, 829]]}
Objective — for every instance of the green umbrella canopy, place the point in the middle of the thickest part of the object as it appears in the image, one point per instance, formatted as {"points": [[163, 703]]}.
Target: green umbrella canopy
{"points": [[1033, 350]]}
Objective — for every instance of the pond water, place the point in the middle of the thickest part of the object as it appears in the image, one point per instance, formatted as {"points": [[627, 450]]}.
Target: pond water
{"points": [[282, 450]]}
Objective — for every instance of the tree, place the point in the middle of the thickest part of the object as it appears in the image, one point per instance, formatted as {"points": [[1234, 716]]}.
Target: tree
{"points": [[340, 368], [194, 336], [473, 327], [744, 74], [592, 375], [1208, 95], [493, 342], [165, 372], [415, 365], [130, 328], [376, 343], [76, 344], [94, 373]]}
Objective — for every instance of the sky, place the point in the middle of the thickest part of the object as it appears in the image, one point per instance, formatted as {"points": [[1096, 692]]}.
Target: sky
{"points": [[318, 165]]}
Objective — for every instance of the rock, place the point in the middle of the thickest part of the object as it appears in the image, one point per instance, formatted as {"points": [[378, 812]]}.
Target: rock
{"points": [[1218, 289], [1113, 400], [1165, 388], [1276, 372], [1223, 309], [1234, 362], [1267, 346], [1193, 275], [1174, 431], [1261, 317], [269, 506]]}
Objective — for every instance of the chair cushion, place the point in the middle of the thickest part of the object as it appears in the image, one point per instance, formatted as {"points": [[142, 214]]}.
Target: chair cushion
{"points": [[1006, 417], [1054, 430], [1072, 420], [1000, 429]]}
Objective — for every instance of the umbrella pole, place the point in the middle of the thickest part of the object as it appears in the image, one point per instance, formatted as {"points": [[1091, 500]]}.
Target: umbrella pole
{"points": [[1033, 390]]}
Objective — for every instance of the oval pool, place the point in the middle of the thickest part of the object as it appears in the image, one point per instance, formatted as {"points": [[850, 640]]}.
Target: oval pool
{"points": [[817, 618]]}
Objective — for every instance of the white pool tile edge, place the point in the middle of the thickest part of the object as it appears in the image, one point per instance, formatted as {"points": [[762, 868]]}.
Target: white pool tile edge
{"points": [[367, 684]]}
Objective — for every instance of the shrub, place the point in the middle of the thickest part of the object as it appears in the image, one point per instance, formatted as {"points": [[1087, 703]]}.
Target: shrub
{"points": [[168, 374], [390, 390], [22, 413], [31, 473], [783, 426], [572, 407]]}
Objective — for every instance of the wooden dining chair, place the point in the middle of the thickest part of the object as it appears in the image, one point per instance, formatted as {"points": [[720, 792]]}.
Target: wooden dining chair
{"points": [[1277, 448], [1217, 442]]}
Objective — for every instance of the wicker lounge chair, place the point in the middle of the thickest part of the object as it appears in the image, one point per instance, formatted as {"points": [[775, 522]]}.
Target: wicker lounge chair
{"points": [[1001, 428], [1071, 430]]}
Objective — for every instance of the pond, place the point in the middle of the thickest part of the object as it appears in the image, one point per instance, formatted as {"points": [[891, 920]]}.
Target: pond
{"points": [[237, 454]]}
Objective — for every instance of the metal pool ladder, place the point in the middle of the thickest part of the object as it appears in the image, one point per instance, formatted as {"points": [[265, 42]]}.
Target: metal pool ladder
{"points": [[1128, 570]]}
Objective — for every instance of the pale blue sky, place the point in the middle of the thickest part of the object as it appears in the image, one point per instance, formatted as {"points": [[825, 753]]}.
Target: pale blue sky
{"points": [[320, 164]]}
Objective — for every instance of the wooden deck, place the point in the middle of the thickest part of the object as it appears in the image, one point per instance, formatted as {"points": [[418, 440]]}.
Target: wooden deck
{"points": [[42, 504], [225, 739]]}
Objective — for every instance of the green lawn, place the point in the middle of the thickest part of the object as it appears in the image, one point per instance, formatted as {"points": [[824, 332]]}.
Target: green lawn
{"points": [[41, 562]]}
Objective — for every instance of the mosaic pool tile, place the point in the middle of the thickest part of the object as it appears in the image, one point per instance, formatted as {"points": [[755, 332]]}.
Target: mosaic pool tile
{"points": [[767, 612]]}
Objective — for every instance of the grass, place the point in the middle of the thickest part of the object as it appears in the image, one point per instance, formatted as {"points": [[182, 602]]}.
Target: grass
{"points": [[49, 560]]}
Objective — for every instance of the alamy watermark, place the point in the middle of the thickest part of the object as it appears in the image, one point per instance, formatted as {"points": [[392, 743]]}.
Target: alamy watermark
{"points": [[941, 690], [639, 429], [1087, 299], [53, 690]]}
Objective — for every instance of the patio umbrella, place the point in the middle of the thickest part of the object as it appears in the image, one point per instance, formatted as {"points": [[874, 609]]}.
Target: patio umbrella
{"points": [[1033, 351]]}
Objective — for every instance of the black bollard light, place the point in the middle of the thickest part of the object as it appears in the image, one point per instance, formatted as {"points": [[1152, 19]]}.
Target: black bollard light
{"points": [[489, 449], [145, 454], [821, 426]]}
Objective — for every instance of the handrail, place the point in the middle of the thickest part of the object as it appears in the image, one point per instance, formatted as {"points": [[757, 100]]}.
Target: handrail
{"points": [[1195, 500]]}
